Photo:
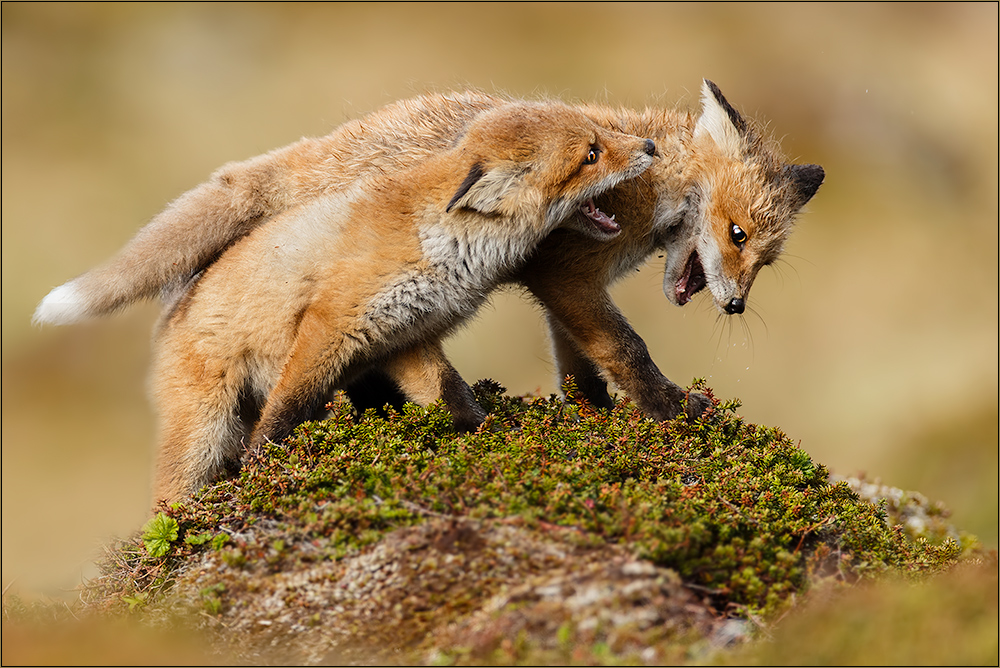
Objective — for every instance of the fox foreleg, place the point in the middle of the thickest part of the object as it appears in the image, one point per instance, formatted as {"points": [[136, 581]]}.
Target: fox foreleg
{"points": [[320, 358], [424, 374], [421, 374], [591, 327], [570, 361]]}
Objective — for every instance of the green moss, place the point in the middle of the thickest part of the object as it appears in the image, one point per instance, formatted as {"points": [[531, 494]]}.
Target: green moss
{"points": [[744, 517], [737, 509]]}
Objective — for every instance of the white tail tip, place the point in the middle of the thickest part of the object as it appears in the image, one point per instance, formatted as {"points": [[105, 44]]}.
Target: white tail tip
{"points": [[63, 306]]}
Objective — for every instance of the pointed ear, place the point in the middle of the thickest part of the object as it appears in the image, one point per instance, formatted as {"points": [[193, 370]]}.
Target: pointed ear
{"points": [[484, 190], [720, 121], [805, 181]]}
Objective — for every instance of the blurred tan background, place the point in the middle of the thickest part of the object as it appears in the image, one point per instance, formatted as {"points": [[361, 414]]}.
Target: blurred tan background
{"points": [[874, 343]]}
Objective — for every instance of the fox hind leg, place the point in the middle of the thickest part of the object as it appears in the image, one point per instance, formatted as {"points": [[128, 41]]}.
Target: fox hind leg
{"points": [[202, 424], [590, 324]]}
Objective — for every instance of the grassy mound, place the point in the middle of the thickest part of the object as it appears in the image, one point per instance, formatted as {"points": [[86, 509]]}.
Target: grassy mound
{"points": [[555, 534]]}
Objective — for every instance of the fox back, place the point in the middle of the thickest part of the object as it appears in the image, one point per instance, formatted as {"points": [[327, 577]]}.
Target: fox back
{"points": [[194, 230]]}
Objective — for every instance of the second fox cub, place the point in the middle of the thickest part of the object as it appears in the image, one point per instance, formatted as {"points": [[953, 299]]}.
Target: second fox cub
{"points": [[344, 282]]}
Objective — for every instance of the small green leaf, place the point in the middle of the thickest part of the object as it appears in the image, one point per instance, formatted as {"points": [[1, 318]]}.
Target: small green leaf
{"points": [[199, 539], [158, 534], [137, 601]]}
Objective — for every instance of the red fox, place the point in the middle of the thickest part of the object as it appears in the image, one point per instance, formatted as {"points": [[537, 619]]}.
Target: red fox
{"points": [[719, 202], [349, 279]]}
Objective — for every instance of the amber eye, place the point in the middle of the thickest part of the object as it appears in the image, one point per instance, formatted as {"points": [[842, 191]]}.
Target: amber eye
{"points": [[738, 236], [592, 156]]}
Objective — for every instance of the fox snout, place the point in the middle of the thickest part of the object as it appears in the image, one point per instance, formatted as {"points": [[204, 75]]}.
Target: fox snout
{"points": [[734, 306], [635, 150], [642, 155]]}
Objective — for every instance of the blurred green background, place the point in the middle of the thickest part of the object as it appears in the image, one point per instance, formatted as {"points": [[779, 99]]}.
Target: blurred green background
{"points": [[874, 343]]}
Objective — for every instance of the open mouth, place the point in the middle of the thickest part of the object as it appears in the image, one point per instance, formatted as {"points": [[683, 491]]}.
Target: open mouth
{"points": [[601, 222], [691, 281]]}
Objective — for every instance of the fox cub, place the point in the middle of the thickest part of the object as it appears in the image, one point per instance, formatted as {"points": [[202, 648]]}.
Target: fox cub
{"points": [[719, 205], [343, 283]]}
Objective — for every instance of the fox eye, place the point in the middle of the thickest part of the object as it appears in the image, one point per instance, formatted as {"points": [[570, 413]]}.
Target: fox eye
{"points": [[738, 236], [592, 156]]}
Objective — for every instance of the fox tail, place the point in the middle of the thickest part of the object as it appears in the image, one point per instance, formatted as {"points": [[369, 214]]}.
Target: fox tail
{"points": [[179, 242]]}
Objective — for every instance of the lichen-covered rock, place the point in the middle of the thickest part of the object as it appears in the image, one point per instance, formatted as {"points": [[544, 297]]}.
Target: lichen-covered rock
{"points": [[918, 516], [447, 589]]}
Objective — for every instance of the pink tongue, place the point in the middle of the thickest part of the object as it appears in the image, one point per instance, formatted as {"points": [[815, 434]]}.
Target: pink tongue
{"points": [[601, 221], [692, 280]]}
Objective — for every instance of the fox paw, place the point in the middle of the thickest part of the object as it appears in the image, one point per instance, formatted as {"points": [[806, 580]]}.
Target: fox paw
{"points": [[697, 405]]}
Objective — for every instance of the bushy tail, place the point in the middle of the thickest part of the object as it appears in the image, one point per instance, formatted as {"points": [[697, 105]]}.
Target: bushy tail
{"points": [[179, 242], [202, 223]]}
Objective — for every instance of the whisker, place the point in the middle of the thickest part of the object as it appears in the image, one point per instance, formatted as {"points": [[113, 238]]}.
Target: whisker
{"points": [[784, 257], [717, 329], [724, 328], [739, 319], [748, 335], [752, 310], [781, 265]]}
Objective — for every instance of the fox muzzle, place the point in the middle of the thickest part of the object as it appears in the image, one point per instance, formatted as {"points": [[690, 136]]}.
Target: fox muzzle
{"points": [[735, 305]]}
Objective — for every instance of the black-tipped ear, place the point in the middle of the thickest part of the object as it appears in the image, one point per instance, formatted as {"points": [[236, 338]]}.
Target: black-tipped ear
{"points": [[474, 175], [734, 116], [806, 180], [721, 123], [489, 190]]}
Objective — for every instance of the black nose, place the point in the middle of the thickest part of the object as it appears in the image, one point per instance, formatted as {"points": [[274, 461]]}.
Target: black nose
{"points": [[650, 147], [735, 305]]}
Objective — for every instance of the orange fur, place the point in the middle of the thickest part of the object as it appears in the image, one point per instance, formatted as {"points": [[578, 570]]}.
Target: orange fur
{"points": [[364, 278], [714, 171]]}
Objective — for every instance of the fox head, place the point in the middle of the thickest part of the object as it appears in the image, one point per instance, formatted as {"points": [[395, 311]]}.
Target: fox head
{"points": [[741, 206], [546, 163]]}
